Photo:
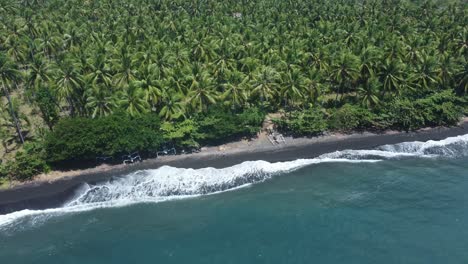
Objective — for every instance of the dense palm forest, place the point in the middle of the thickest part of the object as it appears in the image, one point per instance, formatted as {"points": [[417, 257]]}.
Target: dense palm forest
{"points": [[202, 71]]}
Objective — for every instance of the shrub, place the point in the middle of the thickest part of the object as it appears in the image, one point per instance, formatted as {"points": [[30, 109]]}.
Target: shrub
{"points": [[443, 108], [47, 106], [308, 122], [404, 115], [182, 134], [217, 126], [3, 171], [350, 117], [29, 161], [250, 121], [82, 139]]}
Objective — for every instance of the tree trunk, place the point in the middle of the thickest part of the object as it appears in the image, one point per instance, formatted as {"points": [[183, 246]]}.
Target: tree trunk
{"points": [[72, 106], [13, 115]]}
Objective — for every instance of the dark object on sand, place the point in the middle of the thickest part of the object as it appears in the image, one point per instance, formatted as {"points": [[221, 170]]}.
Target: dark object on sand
{"points": [[275, 137], [190, 151], [164, 152], [131, 158]]}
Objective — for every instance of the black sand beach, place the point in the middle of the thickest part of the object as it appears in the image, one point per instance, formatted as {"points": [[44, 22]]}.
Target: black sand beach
{"points": [[47, 194]]}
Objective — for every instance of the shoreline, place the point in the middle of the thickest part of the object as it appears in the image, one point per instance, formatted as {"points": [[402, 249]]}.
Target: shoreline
{"points": [[53, 189]]}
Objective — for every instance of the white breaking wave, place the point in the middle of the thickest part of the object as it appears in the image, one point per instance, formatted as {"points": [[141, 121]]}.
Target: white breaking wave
{"points": [[166, 183], [169, 183], [449, 147]]}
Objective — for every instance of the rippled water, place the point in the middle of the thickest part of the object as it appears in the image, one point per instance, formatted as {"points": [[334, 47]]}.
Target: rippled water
{"points": [[403, 203]]}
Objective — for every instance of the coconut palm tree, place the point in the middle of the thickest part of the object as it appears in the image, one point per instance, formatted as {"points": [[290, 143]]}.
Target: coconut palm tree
{"points": [[448, 67], [369, 93], [173, 106], [9, 76], [235, 89], [100, 101], [314, 86], [390, 74], [179, 58], [293, 85], [150, 84], [125, 66], [133, 99], [68, 84], [39, 72], [345, 72], [201, 91], [265, 83], [462, 78], [425, 75]]}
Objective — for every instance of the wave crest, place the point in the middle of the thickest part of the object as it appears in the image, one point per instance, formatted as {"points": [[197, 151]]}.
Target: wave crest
{"points": [[176, 182], [450, 147], [168, 183]]}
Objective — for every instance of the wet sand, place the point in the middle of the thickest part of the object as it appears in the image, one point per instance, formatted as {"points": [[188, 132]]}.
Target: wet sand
{"points": [[53, 189]]}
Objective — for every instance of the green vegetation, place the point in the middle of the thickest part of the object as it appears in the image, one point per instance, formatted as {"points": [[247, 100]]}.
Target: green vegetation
{"points": [[29, 161], [217, 126], [311, 122], [83, 139], [439, 109], [79, 139], [90, 78]]}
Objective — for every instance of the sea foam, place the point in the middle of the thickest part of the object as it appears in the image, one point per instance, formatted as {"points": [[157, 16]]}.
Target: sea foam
{"points": [[169, 183]]}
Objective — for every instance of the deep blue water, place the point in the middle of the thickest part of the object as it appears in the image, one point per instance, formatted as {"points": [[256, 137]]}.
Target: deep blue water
{"points": [[398, 210]]}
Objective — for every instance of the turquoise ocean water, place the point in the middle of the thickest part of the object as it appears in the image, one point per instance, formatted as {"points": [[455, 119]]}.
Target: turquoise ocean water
{"points": [[405, 203]]}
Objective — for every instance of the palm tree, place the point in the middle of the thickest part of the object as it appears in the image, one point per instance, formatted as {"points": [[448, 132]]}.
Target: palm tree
{"points": [[393, 48], [39, 72], [177, 79], [315, 86], [425, 75], [370, 57], [8, 124], [293, 84], [180, 53], [48, 44], [390, 75], [74, 36], [178, 58], [234, 89], [345, 72], [150, 84], [461, 45], [462, 78], [100, 101], [99, 71], [201, 91], [319, 60], [446, 70], [133, 99], [265, 83], [125, 67], [203, 49], [222, 65], [68, 83], [369, 93], [9, 74], [17, 48], [173, 106]]}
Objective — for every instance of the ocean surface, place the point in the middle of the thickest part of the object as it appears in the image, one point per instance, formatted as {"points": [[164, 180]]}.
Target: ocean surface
{"points": [[405, 203]]}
